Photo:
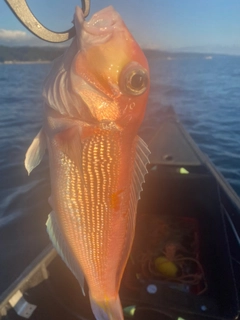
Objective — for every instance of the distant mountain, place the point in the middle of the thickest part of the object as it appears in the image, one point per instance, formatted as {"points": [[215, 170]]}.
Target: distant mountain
{"points": [[171, 55], [50, 53], [29, 53], [211, 49]]}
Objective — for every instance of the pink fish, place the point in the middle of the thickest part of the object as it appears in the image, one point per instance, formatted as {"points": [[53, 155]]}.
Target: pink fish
{"points": [[95, 99]]}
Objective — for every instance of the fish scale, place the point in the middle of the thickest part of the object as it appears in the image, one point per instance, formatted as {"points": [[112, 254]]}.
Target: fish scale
{"points": [[101, 168]]}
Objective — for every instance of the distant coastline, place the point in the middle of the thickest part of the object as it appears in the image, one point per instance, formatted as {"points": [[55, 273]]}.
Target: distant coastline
{"points": [[17, 55], [43, 55], [25, 62]]}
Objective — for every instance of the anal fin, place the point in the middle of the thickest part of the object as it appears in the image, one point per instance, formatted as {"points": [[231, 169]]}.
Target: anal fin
{"points": [[63, 250]]}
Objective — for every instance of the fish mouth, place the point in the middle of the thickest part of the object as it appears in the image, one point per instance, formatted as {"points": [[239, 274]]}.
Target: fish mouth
{"points": [[102, 22], [100, 26]]}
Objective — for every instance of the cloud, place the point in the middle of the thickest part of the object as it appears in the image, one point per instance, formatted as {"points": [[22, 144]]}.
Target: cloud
{"points": [[13, 35], [14, 38]]}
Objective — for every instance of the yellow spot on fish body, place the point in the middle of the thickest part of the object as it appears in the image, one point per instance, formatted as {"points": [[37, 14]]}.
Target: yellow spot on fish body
{"points": [[115, 200]]}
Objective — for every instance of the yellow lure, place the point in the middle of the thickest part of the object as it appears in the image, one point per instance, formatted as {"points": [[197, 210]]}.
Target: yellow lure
{"points": [[165, 267]]}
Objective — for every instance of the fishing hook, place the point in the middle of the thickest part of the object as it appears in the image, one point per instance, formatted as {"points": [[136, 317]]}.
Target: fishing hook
{"points": [[27, 18]]}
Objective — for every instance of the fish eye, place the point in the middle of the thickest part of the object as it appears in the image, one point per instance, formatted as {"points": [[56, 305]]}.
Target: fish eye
{"points": [[133, 79]]}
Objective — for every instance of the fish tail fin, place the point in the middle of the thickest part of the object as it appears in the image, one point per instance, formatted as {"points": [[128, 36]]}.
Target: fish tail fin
{"points": [[109, 309]]}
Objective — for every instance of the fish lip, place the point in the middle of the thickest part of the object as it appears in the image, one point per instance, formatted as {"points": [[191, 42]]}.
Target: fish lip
{"points": [[101, 23]]}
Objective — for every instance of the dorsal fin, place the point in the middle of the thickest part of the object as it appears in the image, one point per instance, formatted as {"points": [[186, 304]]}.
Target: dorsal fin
{"points": [[140, 166], [139, 171]]}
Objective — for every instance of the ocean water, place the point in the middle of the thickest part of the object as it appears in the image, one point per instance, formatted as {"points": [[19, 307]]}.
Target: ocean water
{"points": [[205, 94]]}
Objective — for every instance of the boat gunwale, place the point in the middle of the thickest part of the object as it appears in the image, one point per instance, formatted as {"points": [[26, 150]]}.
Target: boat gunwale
{"points": [[38, 264]]}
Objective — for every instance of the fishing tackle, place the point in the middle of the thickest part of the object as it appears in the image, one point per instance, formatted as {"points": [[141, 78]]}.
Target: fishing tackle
{"points": [[27, 18]]}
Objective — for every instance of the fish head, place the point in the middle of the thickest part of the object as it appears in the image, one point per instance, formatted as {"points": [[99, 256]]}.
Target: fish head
{"points": [[109, 72]]}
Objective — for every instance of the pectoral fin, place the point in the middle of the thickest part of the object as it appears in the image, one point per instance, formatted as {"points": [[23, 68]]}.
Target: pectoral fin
{"points": [[63, 250], [35, 152]]}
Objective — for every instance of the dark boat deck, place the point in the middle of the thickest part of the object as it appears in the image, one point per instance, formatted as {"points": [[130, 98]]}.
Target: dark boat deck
{"points": [[181, 183]]}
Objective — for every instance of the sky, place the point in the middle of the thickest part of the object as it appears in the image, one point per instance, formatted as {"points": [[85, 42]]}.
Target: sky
{"points": [[185, 25]]}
